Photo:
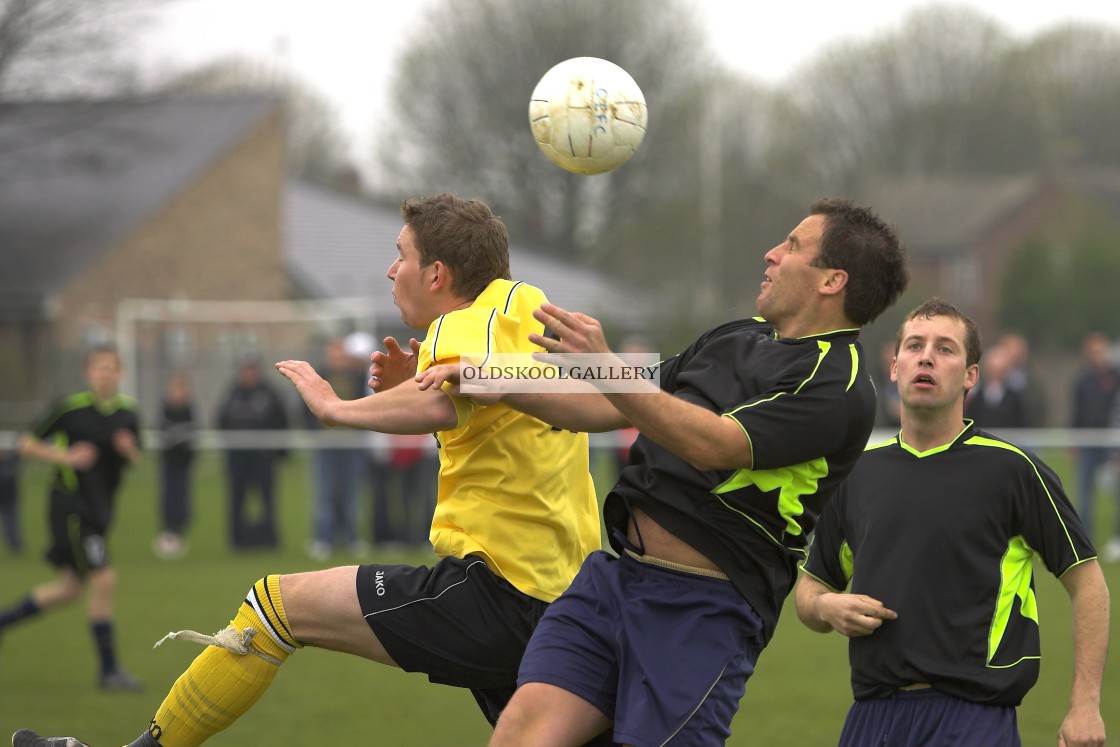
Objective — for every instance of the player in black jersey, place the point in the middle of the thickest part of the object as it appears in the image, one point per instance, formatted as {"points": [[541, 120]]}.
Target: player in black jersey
{"points": [[90, 437], [752, 428], [933, 534]]}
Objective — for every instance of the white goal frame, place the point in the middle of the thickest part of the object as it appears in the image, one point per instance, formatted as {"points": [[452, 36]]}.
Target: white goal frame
{"points": [[321, 316]]}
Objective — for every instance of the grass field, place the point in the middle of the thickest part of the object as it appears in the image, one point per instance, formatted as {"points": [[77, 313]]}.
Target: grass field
{"points": [[798, 695]]}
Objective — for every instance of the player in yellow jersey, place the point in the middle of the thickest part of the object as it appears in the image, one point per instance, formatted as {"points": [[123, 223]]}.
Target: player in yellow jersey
{"points": [[516, 513]]}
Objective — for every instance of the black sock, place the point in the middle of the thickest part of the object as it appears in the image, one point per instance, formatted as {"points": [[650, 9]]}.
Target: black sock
{"points": [[102, 631], [20, 610]]}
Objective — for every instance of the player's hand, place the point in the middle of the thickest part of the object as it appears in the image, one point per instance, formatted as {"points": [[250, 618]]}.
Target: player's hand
{"points": [[853, 615], [393, 365], [124, 443], [317, 394], [81, 455], [438, 375], [578, 332], [452, 373], [1082, 727]]}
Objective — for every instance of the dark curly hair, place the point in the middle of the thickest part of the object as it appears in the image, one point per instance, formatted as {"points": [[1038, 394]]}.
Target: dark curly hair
{"points": [[867, 248]]}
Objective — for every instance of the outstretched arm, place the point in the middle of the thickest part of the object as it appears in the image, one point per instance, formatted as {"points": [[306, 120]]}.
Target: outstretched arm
{"points": [[586, 411], [822, 609], [701, 437], [404, 409], [1083, 725]]}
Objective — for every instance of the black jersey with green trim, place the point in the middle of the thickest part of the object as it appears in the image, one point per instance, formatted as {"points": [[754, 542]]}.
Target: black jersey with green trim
{"points": [[946, 538], [807, 406], [83, 417]]}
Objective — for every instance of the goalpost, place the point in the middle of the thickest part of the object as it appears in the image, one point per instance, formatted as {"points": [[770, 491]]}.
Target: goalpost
{"points": [[204, 340]]}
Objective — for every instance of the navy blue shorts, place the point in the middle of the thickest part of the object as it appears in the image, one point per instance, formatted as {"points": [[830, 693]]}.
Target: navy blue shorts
{"points": [[663, 653], [927, 718]]}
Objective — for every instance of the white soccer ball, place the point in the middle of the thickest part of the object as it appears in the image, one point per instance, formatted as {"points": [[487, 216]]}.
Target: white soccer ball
{"points": [[587, 115]]}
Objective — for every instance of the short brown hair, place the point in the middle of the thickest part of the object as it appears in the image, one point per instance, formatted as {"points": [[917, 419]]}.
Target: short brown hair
{"points": [[104, 348], [940, 307], [463, 234]]}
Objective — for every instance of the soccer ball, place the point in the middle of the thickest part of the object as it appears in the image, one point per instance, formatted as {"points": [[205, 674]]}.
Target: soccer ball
{"points": [[587, 115]]}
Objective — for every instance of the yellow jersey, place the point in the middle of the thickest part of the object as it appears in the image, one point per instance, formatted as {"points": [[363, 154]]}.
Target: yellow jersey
{"points": [[513, 490]]}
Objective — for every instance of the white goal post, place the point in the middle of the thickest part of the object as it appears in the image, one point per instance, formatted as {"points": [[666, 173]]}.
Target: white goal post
{"points": [[205, 339]]}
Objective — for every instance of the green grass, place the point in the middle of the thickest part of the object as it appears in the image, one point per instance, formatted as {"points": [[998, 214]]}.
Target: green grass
{"points": [[47, 666]]}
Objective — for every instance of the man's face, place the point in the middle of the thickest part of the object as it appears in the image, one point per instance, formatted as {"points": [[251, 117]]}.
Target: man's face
{"points": [[337, 357], [930, 367], [410, 283], [250, 375], [791, 279], [178, 392], [1096, 352], [103, 374]]}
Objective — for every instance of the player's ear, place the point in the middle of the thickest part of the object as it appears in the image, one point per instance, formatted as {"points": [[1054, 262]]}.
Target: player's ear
{"points": [[440, 277], [834, 281], [971, 376]]}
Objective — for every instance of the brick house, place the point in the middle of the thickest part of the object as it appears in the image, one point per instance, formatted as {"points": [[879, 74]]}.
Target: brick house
{"points": [[101, 201], [960, 231]]}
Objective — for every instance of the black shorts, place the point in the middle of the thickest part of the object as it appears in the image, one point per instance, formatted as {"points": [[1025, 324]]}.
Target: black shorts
{"points": [[76, 542], [457, 622]]}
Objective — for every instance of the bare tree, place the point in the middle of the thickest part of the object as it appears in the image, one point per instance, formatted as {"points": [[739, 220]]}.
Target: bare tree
{"points": [[461, 94], [951, 91], [903, 102], [66, 47], [1066, 80]]}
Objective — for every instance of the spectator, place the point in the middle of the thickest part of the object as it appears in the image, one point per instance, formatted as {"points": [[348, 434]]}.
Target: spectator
{"points": [[383, 499], [177, 426], [407, 492], [1021, 380], [888, 415], [994, 403], [1111, 551], [1094, 396], [390, 511], [252, 405], [337, 469], [403, 468]]}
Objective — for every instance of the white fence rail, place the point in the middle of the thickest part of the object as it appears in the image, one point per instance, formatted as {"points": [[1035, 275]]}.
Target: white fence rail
{"points": [[345, 438]]}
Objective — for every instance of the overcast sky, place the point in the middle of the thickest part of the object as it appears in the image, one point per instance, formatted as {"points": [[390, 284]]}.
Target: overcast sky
{"points": [[340, 46]]}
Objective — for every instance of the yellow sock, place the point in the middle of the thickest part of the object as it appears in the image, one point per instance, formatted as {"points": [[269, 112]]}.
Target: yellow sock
{"points": [[220, 685]]}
